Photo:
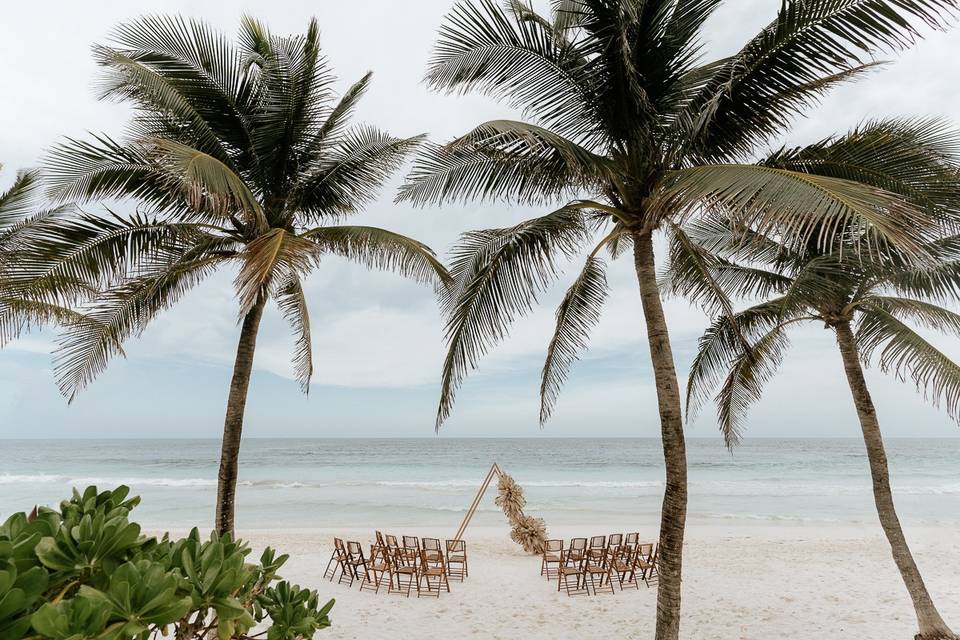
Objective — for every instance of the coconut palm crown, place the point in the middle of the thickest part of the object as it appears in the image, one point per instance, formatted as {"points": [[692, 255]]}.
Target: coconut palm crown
{"points": [[237, 154], [873, 306], [631, 130]]}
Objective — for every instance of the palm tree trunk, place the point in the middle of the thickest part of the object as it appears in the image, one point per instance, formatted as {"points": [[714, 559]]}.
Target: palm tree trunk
{"points": [[673, 515], [233, 422], [930, 623]]}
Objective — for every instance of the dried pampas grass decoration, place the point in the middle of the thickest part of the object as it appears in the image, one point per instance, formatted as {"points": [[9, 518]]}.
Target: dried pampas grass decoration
{"points": [[527, 531], [530, 533], [510, 497]]}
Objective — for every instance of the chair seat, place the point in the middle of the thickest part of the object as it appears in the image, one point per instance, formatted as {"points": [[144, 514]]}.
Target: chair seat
{"points": [[456, 558]]}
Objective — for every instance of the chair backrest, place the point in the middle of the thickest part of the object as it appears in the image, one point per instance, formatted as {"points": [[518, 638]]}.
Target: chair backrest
{"points": [[632, 538], [577, 550], [379, 552], [598, 542], [380, 538], [456, 546], [354, 549], [553, 546], [392, 542], [411, 542], [426, 562], [615, 540], [395, 558], [430, 544], [645, 550]]}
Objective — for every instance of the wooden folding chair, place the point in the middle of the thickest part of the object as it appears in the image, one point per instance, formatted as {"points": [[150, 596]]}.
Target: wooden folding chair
{"points": [[347, 572], [597, 567], [431, 547], [624, 566], [647, 562], [411, 549], [572, 566], [457, 559], [375, 569], [399, 569], [552, 555], [379, 543], [336, 560], [356, 559], [632, 540], [433, 574]]}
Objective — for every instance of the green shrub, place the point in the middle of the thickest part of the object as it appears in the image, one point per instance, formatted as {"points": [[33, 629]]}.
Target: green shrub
{"points": [[86, 572]]}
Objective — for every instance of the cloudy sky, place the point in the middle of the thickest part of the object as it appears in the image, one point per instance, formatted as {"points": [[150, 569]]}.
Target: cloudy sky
{"points": [[377, 338]]}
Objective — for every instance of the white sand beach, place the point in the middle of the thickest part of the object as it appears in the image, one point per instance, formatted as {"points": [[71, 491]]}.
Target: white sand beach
{"points": [[764, 581]]}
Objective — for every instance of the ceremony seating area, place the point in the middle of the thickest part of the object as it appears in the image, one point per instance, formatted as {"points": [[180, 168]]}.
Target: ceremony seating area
{"points": [[399, 567], [600, 563]]}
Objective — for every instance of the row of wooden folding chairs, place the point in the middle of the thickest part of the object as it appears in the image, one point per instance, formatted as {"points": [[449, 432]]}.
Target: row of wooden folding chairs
{"points": [[455, 555], [401, 567], [595, 565]]}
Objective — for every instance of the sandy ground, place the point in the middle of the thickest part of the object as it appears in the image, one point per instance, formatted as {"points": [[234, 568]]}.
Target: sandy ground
{"points": [[765, 581]]}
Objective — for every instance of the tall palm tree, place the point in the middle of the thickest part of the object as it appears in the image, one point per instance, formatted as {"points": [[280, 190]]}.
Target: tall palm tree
{"points": [[237, 154], [869, 302], [24, 304], [633, 130]]}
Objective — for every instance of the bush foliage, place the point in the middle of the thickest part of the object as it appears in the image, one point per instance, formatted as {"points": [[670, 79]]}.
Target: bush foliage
{"points": [[86, 572]]}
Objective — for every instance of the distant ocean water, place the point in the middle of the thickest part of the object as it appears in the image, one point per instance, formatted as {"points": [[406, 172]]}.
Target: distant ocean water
{"points": [[361, 482]]}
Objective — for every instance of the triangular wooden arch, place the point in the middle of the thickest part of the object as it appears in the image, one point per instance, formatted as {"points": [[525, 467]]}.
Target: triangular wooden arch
{"points": [[494, 471]]}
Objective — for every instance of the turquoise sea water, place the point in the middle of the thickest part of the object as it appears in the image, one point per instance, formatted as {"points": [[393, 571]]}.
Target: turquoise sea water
{"points": [[346, 483]]}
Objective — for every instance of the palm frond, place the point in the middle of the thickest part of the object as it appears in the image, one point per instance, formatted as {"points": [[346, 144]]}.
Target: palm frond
{"points": [[907, 355], [178, 71], [84, 351], [798, 208], [750, 370], [20, 199], [381, 249], [293, 305], [267, 260], [517, 59], [351, 173], [206, 183], [721, 343], [808, 48], [498, 274], [577, 314], [20, 314], [443, 174], [103, 169], [914, 158]]}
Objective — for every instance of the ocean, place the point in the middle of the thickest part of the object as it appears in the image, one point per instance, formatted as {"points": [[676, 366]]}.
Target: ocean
{"points": [[293, 483]]}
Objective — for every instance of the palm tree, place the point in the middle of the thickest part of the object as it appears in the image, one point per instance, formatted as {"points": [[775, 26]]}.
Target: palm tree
{"points": [[237, 154], [634, 131], [26, 304], [869, 302]]}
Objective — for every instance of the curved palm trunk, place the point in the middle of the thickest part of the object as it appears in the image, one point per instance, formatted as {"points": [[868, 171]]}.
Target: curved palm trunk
{"points": [[930, 623], [233, 422], [673, 515]]}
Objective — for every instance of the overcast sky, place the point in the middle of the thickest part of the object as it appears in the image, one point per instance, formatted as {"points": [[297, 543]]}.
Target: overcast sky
{"points": [[377, 338]]}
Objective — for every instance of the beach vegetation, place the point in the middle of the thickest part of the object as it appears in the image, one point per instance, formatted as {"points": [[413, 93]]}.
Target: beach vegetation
{"points": [[86, 572]]}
